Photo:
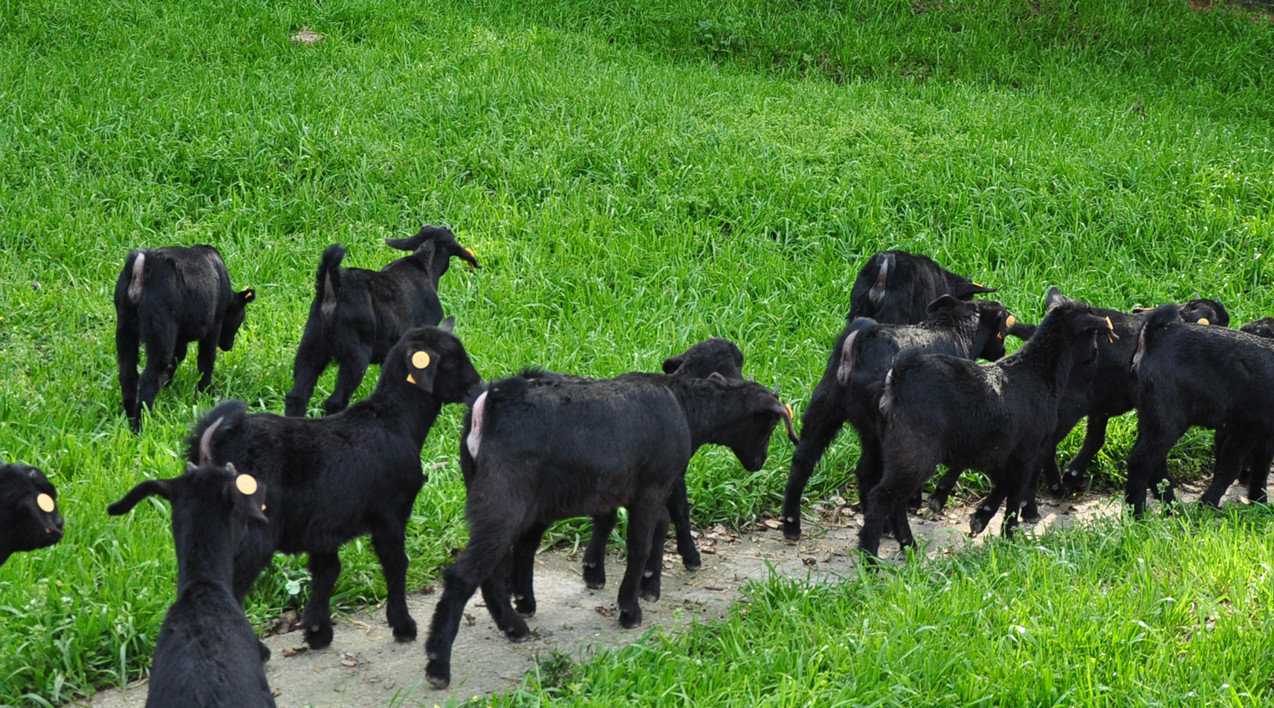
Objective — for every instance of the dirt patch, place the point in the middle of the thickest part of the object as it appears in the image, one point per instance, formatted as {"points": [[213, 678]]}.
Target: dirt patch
{"points": [[365, 667]]}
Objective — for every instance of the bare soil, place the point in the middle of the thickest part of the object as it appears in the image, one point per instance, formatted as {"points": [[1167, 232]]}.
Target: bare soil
{"points": [[366, 667]]}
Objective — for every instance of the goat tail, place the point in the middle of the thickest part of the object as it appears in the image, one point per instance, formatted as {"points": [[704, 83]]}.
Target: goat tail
{"points": [[878, 290], [859, 330], [1160, 317], [135, 266], [327, 285], [212, 428], [895, 377]]}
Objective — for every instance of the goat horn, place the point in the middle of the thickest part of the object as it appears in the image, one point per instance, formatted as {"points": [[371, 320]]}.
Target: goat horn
{"points": [[205, 442]]}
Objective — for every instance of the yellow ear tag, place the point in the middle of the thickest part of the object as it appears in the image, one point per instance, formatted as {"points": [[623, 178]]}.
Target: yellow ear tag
{"points": [[420, 360], [980, 285], [1111, 334], [470, 252], [45, 502], [246, 484], [411, 379], [1204, 321], [1010, 321], [789, 410]]}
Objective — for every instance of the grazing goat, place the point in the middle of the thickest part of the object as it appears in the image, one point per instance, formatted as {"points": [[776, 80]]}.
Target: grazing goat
{"points": [[1110, 389], [168, 297], [207, 654], [711, 356], [337, 478], [1209, 376], [896, 287], [995, 417], [855, 374], [358, 314], [541, 449], [29, 516]]}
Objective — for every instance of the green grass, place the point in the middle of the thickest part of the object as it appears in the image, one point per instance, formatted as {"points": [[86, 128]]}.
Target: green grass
{"points": [[1110, 614], [632, 179]]}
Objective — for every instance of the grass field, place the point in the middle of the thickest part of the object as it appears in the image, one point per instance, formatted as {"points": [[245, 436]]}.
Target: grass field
{"points": [[634, 179]]}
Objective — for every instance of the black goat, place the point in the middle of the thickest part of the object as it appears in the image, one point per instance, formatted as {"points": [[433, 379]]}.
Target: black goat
{"points": [[542, 449], [206, 654], [337, 478], [711, 356], [29, 516], [168, 297], [1210, 376], [995, 417], [896, 287], [1110, 389], [855, 375], [358, 314]]}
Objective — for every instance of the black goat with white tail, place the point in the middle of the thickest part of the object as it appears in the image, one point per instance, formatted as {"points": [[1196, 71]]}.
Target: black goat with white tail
{"points": [[994, 417], [166, 298], [358, 314], [542, 449]]}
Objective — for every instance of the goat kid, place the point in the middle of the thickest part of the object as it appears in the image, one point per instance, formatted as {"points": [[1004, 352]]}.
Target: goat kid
{"points": [[994, 417], [1217, 378], [542, 449], [168, 297], [207, 654], [29, 515], [855, 375], [896, 287], [358, 314], [354, 473]]}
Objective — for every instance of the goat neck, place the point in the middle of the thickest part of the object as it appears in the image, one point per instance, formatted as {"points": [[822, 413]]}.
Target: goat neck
{"points": [[713, 404], [204, 543], [1049, 353]]}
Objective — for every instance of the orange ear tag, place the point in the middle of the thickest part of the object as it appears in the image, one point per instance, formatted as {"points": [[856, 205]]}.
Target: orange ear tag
{"points": [[1010, 321], [980, 285], [46, 504], [411, 379], [1111, 334], [246, 484], [420, 360], [470, 252], [1204, 321], [789, 410]]}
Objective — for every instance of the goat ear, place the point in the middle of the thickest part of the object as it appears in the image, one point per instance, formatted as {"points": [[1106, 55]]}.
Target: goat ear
{"points": [[162, 487], [971, 288], [247, 495], [1054, 297], [466, 255], [448, 325], [671, 364], [422, 365], [247, 295], [945, 302]]}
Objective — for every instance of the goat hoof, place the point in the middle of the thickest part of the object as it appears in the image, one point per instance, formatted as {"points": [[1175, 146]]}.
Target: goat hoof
{"points": [[518, 634], [976, 526], [437, 677], [525, 608], [318, 636], [650, 595], [594, 576], [265, 651], [692, 563], [792, 529], [405, 632], [628, 620]]}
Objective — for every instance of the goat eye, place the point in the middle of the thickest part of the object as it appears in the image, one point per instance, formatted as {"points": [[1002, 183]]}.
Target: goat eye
{"points": [[46, 503]]}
